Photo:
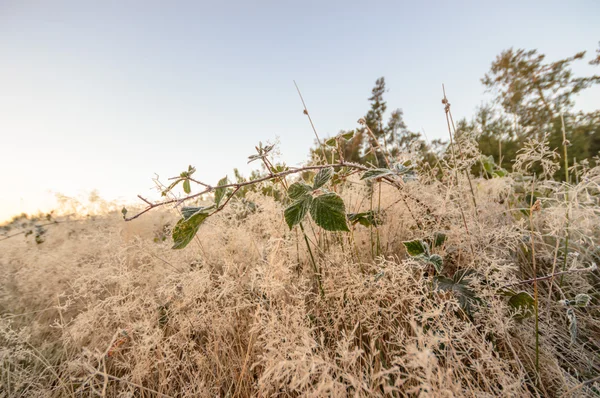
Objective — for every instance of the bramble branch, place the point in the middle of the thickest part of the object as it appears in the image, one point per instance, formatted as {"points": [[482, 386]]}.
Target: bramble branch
{"points": [[593, 268], [239, 185]]}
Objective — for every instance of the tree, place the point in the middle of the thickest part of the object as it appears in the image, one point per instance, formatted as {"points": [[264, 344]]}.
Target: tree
{"points": [[536, 93], [393, 137]]}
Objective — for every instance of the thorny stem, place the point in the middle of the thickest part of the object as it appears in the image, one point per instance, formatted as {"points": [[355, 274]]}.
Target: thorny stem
{"points": [[210, 188], [394, 182]]}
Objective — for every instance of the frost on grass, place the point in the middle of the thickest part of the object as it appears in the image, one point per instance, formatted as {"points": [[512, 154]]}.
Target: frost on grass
{"points": [[105, 307]]}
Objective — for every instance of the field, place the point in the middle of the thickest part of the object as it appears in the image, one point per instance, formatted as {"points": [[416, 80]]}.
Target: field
{"points": [[96, 306]]}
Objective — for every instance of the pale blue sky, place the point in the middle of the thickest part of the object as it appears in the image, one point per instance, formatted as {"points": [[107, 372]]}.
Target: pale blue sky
{"points": [[101, 95]]}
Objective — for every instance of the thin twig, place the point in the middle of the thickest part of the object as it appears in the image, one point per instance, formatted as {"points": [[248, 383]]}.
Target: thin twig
{"points": [[35, 226], [462, 213], [311, 122], [554, 275], [375, 142], [585, 383]]}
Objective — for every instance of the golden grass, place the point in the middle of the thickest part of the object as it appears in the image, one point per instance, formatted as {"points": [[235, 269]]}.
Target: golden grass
{"points": [[102, 308]]}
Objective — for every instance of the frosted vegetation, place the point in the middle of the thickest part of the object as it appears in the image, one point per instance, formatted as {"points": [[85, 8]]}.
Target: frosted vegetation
{"points": [[377, 269]]}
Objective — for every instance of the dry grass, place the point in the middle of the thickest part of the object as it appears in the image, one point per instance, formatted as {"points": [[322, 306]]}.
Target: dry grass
{"points": [[102, 308]]}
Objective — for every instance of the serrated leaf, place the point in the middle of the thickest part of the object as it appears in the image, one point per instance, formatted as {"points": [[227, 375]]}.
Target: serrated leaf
{"points": [[399, 168], [376, 173], [582, 300], [185, 229], [322, 177], [186, 187], [220, 192], [367, 219], [298, 189], [331, 142], [460, 285], [187, 212], [437, 261], [416, 248], [348, 136], [522, 302], [328, 212], [295, 213]]}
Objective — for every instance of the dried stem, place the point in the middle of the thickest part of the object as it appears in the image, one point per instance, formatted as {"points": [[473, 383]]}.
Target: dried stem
{"points": [[311, 122]]}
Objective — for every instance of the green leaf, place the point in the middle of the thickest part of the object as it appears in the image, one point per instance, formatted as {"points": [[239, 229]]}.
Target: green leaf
{"points": [[185, 229], [416, 248], [220, 192], [163, 315], [523, 303], [399, 168], [186, 187], [581, 300], [173, 184], [530, 200], [348, 136], [439, 238], [322, 177], [376, 173], [460, 285], [488, 163], [500, 172], [367, 219], [187, 212], [331, 141], [298, 189], [437, 261], [328, 212], [295, 213], [124, 212]]}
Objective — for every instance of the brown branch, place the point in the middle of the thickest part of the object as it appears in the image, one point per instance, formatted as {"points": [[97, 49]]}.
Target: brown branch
{"points": [[145, 200], [271, 176], [593, 268], [398, 184]]}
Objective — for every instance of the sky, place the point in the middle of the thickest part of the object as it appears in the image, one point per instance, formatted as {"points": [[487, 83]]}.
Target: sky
{"points": [[100, 96]]}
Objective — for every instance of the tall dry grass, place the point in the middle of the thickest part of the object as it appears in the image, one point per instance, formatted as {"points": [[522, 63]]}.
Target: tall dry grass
{"points": [[105, 308]]}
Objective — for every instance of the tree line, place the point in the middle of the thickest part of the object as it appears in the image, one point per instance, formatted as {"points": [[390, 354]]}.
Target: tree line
{"points": [[531, 98]]}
